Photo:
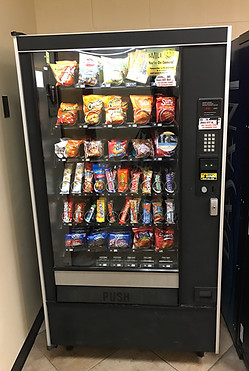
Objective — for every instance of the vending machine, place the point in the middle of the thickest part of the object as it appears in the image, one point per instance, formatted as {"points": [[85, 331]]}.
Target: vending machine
{"points": [[125, 138]]}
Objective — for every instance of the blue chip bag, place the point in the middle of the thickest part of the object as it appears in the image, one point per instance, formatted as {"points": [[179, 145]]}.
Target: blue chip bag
{"points": [[119, 240]]}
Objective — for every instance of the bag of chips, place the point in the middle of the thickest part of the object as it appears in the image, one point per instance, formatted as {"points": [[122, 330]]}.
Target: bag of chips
{"points": [[164, 238], [88, 69], [67, 114], [143, 148], [114, 111], [117, 148], [142, 107], [114, 70], [68, 148], [93, 148], [64, 72], [143, 238], [93, 105], [165, 109]]}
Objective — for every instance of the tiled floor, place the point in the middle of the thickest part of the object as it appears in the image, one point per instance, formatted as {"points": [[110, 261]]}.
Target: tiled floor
{"points": [[104, 359]]}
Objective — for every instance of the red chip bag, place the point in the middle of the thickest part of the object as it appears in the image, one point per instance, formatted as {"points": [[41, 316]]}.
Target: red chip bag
{"points": [[143, 238], [165, 109], [164, 238]]}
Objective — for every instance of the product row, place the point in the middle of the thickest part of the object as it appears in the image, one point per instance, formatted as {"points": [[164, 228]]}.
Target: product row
{"points": [[163, 144], [137, 65], [127, 211], [84, 178], [112, 109], [158, 239]]}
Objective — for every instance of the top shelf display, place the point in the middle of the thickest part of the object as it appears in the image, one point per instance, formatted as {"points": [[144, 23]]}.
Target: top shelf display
{"points": [[153, 68]]}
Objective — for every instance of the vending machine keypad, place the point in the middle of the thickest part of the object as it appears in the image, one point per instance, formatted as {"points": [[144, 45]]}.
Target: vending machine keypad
{"points": [[209, 142]]}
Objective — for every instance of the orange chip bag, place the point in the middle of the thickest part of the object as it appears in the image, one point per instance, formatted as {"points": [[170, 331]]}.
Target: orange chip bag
{"points": [[73, 148], [142, 107], [64, 72], [114, 109], [67, 114], [93, 105]]}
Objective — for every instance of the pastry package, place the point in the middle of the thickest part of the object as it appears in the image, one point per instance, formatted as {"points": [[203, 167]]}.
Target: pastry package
{"points": [[65, 185], [64, 72], [143, 238], [142, 108], [88, 178], [97, 239], [119, 240], [88, 69], [73, 240], [77, 183], [93, 148], [67, 114], [92, 107], [137, 66], [143, 148]]}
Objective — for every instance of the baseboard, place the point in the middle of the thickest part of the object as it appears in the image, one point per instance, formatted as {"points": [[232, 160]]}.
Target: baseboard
{"points": [[24, 352]]}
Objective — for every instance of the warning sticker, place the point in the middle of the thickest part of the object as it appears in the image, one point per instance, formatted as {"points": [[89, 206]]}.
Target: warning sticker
{"points": [[209, 124], [208, 176]]}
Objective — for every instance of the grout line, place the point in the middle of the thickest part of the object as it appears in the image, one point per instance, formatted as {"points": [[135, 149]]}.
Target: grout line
{"points": [[163, 359], [220, 358], [91, 368]]}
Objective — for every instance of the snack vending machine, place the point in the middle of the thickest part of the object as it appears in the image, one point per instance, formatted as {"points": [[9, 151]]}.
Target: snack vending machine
{"points": [[125, 138]]}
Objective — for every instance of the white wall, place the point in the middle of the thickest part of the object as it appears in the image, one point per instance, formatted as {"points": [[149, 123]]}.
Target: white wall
{"points": [[19, 289]]}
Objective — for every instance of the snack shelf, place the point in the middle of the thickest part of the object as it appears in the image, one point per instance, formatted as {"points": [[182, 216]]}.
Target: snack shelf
{"points": [[117, 225], [117, 160], [128, 125]]}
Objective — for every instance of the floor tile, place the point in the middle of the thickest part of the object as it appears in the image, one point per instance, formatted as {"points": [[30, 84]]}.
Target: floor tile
{"points": [[80, 358], [36, 361], [186, 361], [229, 362], [133, 360]]}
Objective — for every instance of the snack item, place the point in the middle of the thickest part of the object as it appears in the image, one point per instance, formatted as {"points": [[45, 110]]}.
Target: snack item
{"points": [[67, 114], [137, 67], [117, 148], [93, 148], [111, 214], [143, 148], [165, 109], [143, 238], [114, 110], [164, 238], [59, 148], [73, 148], [146, 212], [67, 211], [157, 206], [88, 69], [93, 105], [165, 143], [79, 212], [90, 213], [100, 216], [135, 176], [157, 185], [88, 182], [170, 211], [97, 240], [65, 185], [74, 239], [125, 102], [119, 240], [147, 178], [64, 72], [124, 212], [99, 177], [114, 70], [109, 180], [170, 181], [123, 180], [76, 186], [142, 107], [134, 209]]}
